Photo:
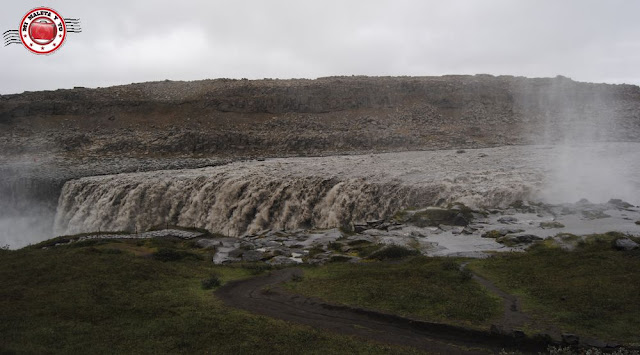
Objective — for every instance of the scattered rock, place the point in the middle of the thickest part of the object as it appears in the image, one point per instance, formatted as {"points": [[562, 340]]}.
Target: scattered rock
{"points": [[550, 225], [625, 244], [468, 230], [281, 260], [508, 220], [619, 203]]}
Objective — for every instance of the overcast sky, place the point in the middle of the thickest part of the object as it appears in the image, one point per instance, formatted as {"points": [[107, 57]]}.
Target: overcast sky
{"points": [[133, 40]]}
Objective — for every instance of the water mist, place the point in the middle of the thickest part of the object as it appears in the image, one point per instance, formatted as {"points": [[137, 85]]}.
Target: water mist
{"points": [[580, 123]]}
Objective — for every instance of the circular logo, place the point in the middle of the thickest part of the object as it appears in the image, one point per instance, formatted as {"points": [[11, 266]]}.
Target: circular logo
{"points": [[42, 30]]}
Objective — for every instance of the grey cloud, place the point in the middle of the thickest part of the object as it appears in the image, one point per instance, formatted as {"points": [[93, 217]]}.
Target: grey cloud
{"points": [[131, 41]]}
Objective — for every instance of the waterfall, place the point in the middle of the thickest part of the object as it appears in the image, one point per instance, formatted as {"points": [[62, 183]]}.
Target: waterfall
{"points": [[289, 193]]}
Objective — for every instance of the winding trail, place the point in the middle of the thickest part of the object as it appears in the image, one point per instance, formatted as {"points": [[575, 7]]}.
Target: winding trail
{"points": [[512, 316], [262, 295]]}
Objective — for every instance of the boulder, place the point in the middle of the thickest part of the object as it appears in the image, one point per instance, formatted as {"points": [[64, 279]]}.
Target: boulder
{"points": [[252, 256], [625, 244]]}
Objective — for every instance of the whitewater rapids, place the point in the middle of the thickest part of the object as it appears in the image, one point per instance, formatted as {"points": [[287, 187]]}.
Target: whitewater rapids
{"points": [[325, 192]]}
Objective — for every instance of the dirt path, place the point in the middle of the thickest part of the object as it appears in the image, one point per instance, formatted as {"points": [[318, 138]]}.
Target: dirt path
{"points": [[261, 295], [513, 318]]}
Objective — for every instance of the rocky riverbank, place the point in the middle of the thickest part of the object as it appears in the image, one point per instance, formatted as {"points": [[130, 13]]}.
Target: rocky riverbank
{"points": [[433, 231]]}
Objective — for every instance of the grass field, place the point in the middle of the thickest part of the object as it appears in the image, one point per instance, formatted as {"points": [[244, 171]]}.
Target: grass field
{"points": [[593, 290], [116, 297], [146, 296], [432, 289]]}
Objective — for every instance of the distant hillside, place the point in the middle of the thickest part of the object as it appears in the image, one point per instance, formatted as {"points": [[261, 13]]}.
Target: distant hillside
{"points": [[250, 118]]}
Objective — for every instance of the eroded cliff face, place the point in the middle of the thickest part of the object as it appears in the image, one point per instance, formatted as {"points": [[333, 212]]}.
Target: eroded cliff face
{"points": [[245, 118]]}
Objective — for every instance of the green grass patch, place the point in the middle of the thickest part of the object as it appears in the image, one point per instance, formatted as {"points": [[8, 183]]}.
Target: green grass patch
{"points": [[432, 289], [393, 252], [593, 290], [67, 238], [365, 250], [170, 254], [93, 300]]}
